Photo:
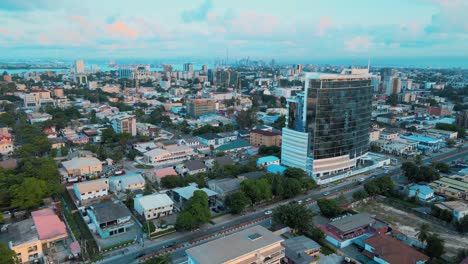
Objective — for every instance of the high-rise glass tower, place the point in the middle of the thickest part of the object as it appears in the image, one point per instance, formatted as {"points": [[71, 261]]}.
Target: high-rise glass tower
{"points": [[327, 127]]}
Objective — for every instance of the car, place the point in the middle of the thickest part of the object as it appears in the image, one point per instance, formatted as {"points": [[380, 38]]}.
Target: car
{"points": [[140, 255], [361, 179], [268, 212], [119, 172], [299, 202], [308, 199], [326, 193], [221, 208]]}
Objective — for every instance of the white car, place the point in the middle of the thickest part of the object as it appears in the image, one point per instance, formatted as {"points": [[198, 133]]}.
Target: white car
{"points": [[269, 212], [361, 179]]}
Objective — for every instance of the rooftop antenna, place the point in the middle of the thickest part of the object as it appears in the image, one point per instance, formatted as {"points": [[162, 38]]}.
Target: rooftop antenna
{"points": [[368, 64]]}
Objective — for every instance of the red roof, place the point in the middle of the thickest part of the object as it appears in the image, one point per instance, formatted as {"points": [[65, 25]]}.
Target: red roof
{"points": [[393, 251], [48, 225]]}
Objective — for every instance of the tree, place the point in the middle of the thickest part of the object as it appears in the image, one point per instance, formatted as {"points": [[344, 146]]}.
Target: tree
{"points": [[172, 181], [257, 190], [392, 100], [295, 216], [462, 225], [435, 246], [359, 195], [450, 143], [294, 173], [342, 200], [441, 166], [246, 118], [291, 187], [195, 213], [329, 207], [276, 182], [163, 259], [237, 202], [7, 256], [28, 194], [423, 232]]}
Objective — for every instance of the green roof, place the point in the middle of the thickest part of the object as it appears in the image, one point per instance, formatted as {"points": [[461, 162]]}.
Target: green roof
{"points": [[453, 183], [236, 144]]}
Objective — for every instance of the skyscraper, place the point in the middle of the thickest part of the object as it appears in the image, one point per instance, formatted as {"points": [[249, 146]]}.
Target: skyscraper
{"points": [[188, 67], [79, 66], [327, 126]]}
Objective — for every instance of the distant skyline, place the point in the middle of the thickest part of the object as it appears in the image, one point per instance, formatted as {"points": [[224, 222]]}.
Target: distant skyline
{"points": [[206, 29]]}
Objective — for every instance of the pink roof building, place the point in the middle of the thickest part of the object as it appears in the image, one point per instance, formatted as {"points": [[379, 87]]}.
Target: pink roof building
{"points": [[157, 175], [49, 227]]}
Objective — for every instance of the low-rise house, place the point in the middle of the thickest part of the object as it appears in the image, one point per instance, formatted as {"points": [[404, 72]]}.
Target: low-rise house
{"points": [[459, 209], [128, 182], [451, 187], [158, 174], [384, 249], [421, 192], [81, 166], [169, 156], [57, 143], [183, 194], [38, 117], [301, 250], [29, 238], [268, 160], [208, 139], [192, 167], [221, 161], [224, 187], [91, 189], [6, 144], [110, 218], [275, 169], [144, 147], [78, 139], [233, 146], [154, 205]]}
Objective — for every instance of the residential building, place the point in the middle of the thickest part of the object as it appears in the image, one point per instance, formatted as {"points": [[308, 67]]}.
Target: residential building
{"points": [[91, 189], [199, 107], [110, 218], [153, 206], [192, 167], [384, 249], [208, 139], [268, 160], [421, 192], [29, 238], [128, 182], [157, 174], [6, 144], [459, 209], [124, 123], [264, 137], [301, 250], [425, 143], [327, 126], [252, 245], [234, 146], [183, 194], [224, 187], [38, 117], [81, 166]]}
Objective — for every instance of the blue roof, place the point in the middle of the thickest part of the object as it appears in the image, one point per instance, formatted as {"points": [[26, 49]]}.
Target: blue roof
{"points": [[187, 192], [274, 168], [236, 144], [267, 159], [421, 139], [423, 189]]}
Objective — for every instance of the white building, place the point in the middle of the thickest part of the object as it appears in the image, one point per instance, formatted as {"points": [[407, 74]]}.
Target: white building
{"points": [[153, 206], [91, 189], [128, 182], [173, 155]]}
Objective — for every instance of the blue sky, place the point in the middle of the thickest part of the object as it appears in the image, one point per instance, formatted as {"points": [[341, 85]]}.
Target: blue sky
{"points": [[204, 29]]}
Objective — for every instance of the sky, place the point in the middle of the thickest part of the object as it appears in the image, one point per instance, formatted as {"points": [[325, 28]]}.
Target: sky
{"points": [[207, 29]]}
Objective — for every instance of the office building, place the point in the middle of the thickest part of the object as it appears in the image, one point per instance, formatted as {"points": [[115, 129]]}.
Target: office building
{"points": [[198, 107], [126, 73], [79, 66], [327, 125], [252, 245]]}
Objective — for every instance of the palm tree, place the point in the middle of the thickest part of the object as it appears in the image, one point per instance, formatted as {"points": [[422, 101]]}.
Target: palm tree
{"points": [[423, 232]]}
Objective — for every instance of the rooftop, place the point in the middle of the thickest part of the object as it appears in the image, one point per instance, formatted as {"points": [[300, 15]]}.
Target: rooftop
{"points": [[153, 201], [20, 232], [295, 249], [265, 132], [244, 242], [393, 251], [48, 224], [421, 139], [423, 189], [238, 143], [187, 192], [267, 159], [79, 162], [275, 168], [457, 205], [110, 211], [330, 76], [93, 185], [193, 165], [349, 223], [226, 185]]}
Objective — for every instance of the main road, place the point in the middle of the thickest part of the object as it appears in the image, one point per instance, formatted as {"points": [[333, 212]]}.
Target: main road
{"points": [[177, 243]]}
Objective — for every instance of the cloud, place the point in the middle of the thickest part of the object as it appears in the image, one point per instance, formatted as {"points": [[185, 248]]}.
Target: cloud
{"points": [[120, 29], [198, 14], [324, 23], [451, 17], [359, 44], [252, 23]]}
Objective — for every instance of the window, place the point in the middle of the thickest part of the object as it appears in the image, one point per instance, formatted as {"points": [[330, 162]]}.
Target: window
{"points": [[31, 249]]}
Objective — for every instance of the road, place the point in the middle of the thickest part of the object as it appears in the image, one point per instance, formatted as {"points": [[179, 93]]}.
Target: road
{"points": [[177, 243]]}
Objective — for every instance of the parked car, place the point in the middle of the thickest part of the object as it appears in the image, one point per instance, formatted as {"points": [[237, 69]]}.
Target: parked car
{"points": [[268, 212], [326, 193], [119, 172], [308, 199]]}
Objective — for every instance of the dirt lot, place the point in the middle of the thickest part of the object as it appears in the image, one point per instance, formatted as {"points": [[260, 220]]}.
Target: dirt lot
{"points": [[408, 224]]}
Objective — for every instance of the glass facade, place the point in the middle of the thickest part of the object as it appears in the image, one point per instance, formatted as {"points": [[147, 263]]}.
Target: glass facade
{"points": [[338, 116]]}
